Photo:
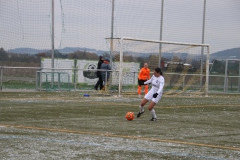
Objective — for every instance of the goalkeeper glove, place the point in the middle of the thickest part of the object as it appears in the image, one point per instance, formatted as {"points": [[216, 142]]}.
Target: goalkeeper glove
{"points": [[155, 95]]}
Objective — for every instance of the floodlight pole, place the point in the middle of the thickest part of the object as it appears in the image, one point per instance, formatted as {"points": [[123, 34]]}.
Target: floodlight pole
{"points": [[112, 25], [203, 32], [161, 28], [52, 44]]}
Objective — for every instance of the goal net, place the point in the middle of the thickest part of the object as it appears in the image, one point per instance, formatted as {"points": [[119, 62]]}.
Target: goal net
{"points": [[185, 66]]}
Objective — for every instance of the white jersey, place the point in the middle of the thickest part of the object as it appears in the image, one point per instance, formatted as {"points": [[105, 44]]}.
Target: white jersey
{"points": [[157, 84], [157, 87]]}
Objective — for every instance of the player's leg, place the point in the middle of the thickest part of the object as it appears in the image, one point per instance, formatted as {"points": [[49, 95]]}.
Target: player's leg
{"points": [[141, 107], [96, 85], [100, 82], [146, 98], [152, 111], [105, 81], [151, 107], [139, 91], [146, 89]]}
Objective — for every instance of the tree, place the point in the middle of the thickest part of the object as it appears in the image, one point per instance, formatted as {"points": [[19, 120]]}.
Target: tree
{"points": [[3, 55], [83, 55]]}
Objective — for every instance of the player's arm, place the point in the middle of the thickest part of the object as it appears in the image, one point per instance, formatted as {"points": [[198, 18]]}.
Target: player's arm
{"points": [[148, 81], [144, 82], [160, 90]]}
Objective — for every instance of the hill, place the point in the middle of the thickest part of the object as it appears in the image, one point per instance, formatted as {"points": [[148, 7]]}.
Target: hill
{"points": [[65, 50], [233, 53]]}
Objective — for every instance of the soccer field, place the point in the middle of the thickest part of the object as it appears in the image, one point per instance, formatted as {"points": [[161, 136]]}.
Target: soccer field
{"points": [[66, 125]]}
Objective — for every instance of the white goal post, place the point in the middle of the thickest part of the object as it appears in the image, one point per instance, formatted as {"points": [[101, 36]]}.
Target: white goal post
{"points": [[185, 65]]}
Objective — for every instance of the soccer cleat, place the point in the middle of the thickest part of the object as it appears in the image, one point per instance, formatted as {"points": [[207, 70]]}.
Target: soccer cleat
{"points": [[153, 119], [139, 114]]}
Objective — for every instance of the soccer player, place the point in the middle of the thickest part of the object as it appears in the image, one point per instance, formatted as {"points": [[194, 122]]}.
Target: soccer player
{"points": [[143, 76], [154, 95], [98, 73]]}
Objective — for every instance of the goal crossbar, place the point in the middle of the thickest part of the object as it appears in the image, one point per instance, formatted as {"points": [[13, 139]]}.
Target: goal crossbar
{"points": [[156, 41]]}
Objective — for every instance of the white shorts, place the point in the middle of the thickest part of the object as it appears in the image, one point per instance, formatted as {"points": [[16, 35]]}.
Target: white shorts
{"points": [[149, 97]]}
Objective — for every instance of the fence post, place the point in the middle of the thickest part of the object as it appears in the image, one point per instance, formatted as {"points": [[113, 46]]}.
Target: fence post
{"points": [[36, 83], [1, 78], [226, 78]]}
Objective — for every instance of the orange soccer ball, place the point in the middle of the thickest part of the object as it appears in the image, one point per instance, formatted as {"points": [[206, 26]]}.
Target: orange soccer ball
{"points": [[130, 116]]}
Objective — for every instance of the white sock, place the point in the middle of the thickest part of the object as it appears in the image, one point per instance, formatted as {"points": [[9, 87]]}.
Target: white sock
{"points": [[141, 109], [153, 113]]}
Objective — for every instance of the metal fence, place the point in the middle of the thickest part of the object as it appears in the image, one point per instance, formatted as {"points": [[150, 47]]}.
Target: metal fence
{"points": [[33, 79]]}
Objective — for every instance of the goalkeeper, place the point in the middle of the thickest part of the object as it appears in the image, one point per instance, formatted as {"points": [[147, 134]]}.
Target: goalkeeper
{"points": [[154, 95], [143, 76]]}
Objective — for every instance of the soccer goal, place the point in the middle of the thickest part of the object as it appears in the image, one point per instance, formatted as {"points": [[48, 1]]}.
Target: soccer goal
{"points": [[52, 81], [185, 66]]}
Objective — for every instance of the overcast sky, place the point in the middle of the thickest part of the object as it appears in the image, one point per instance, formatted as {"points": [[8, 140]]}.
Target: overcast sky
{"points": [[141, 19], [81, 23]]}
